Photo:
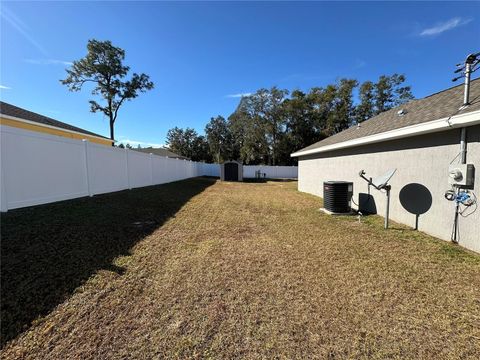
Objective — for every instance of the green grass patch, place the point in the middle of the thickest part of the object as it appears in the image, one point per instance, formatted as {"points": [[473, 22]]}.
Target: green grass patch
{"points": [[210, 269]]}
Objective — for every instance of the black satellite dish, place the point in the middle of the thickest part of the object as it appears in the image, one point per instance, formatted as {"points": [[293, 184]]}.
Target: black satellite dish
{"points": [[416, 199]]}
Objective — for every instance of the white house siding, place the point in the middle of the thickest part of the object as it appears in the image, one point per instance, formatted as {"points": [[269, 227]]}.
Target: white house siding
{"points": [[420, 159]]}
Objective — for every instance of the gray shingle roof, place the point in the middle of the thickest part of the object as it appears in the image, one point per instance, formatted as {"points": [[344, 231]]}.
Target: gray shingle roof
{"points": [[161, 152], [15, 111], [436, 106]]}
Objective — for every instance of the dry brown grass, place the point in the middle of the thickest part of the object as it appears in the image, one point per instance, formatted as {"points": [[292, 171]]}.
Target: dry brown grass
{"points": [[255, 271]]}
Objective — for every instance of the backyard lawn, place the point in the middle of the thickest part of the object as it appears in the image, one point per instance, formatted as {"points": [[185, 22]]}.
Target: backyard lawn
{"points": [[208, 269]]}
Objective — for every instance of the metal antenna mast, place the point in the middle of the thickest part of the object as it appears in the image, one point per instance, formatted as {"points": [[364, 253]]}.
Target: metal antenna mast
{"points": [[467, 68]]}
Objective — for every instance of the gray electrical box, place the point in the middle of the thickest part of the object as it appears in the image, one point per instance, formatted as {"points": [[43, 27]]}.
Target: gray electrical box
{"points": [[461, 175]]}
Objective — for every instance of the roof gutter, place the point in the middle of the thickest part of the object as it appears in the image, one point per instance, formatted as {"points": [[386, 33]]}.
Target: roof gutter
{"points": [[456, 121], [51, 127]]}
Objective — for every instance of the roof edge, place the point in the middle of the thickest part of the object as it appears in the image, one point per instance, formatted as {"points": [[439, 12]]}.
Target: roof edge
{"points": [[53, 127], [456, 121]]}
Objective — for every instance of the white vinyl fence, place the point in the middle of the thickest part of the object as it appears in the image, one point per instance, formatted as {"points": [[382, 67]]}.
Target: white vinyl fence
{"points": [[39, 168], [272, 172]]}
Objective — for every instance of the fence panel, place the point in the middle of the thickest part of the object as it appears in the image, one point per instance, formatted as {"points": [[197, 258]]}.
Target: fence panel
{"points": [[211, 170], [272, 172], [37, 170], [171, 169], [139, 169], [249, 171], [287, 172], [160, 171], [107, 169]]}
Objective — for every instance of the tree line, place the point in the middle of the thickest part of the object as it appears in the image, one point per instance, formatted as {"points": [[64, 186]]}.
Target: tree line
{"points": [[265, 128], [270, 124]]}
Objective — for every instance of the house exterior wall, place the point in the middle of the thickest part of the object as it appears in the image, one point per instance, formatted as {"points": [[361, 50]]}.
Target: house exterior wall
{"points": [[420, 160], [54, 131]]}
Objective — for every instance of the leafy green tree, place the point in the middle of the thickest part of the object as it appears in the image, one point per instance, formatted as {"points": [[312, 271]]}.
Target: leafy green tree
{"points": [[103, 68], [237, 126], [268, 126], [175, 141], [366, 108], [265, 114], [248, 135], [201, 150], [302, 124], [324, 100], [270, 107], [219, 139], [342, 116], [381, 96], [256, 148], [389, 92], [188, 143], [180, 141]]}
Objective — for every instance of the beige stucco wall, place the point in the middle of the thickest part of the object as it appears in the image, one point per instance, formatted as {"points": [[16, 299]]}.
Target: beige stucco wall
{"points": [[421, 159]]}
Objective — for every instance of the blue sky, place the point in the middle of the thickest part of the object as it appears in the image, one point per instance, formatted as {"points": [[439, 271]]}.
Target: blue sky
{"points": [[201, 56]]}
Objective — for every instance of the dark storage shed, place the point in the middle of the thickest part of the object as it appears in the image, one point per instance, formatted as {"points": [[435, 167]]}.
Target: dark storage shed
{"points": [[231, 171]]}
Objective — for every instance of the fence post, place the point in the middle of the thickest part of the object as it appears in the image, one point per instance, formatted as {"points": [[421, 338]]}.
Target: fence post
{"points": [[165, 173], [151, 168], [87, 165], [127, 169], [3, 185], [3, 195]]}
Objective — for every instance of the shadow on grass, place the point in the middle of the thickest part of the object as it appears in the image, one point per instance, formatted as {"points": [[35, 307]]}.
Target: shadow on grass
{"points": [[402, 228], [48, 251]]}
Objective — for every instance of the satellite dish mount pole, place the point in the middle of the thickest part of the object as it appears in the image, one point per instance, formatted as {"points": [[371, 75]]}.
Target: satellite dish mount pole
{"points": [[387, 210], [380, 184]]}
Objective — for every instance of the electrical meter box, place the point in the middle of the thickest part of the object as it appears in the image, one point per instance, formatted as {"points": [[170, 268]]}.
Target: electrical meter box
{"points": [[461, 175]]}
